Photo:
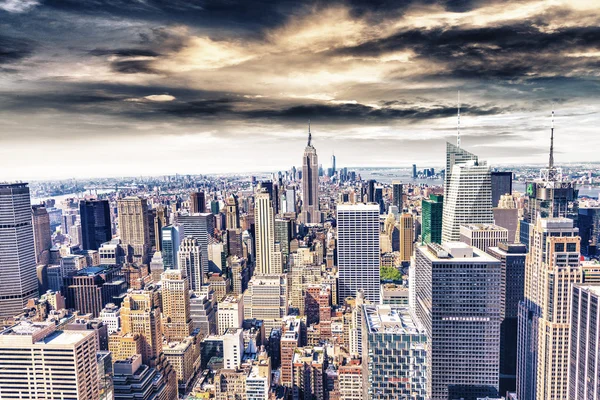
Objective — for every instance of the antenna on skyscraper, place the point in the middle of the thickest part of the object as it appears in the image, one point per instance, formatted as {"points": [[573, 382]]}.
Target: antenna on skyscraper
{"points": [[551, 161], [458, 126], [309, 136]]}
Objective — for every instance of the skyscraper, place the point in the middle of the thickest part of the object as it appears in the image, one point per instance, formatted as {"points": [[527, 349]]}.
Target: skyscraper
{"points": [[431, 219], [160, 221], [197, 202], [41, 233], [18, 279], [140, 313], [358, 250], [457, 299], [397, 195], [333, 165], [201, 227], [290, 199], [584, 368], [406, 226], [189, 259], [455, 155], [177, 324], [468, 199], [414, 171], [512, 259], [501, 185], [64, 362], [265, 232], [95, 223], [134, 227], [310, 184], [551, 269], [549, 196], [171, 239], [232, 212]]}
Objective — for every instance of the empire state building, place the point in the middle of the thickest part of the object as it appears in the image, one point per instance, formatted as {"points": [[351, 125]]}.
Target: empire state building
{"points": [[310, 184]]}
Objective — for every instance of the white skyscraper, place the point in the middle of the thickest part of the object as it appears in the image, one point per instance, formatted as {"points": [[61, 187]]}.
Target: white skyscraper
{"points": [[468, 199], [18, 279], [190, 262], [265, 233], [358, 250]]}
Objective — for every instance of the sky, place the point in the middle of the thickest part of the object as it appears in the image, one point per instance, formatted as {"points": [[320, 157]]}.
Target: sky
{"points": [[153, 87]]}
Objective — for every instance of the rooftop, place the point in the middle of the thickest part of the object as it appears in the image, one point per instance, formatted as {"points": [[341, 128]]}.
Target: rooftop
{"points": [[388, 319], [594, 289]]}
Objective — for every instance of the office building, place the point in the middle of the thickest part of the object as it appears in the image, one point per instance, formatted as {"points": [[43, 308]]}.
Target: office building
{"points": [[232, 212], [308, 373], [584, 364], [96, 227], [39, 361], [458, 301], [310, 184], [506, 215], [467, 200], [140, 313], [183, 356], [42, 234], [265, 233], [431, 219], [483, 236], [552, 267], [589, 230], [111, 317], [454, 156], [160, 221], [267, 299], [203, 311], [18, 280], [290, 200], [197, 203], [134, 227], [133, 380], [90, 288], [290, 341], [501, 185], [189, 260], [201, 227], [358, 250], [351, 382], [397, 354], [230, 314], [512, 259], [258, 381], [406, 226], [397, 195], [177, 323], [171, 238]]}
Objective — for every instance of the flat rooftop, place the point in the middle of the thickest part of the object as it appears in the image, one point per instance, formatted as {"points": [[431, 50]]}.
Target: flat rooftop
{"points": [[594, 289], [388, 319]]}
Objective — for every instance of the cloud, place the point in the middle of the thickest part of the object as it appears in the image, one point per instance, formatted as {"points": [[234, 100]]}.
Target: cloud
{"points": [[13, 49], [18, 6]]}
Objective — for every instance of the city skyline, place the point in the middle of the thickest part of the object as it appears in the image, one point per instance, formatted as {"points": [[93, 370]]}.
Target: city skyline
{"points": [[175, 80]]}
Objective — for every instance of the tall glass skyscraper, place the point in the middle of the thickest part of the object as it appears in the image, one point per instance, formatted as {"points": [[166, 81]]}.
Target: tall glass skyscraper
{"points": [[431, 219], [95, 223], [358, 250], [18, 279], [171, 238]]}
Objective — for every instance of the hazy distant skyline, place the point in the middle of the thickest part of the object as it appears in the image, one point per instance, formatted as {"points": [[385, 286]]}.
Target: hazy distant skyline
{"points": [[158, 87]]}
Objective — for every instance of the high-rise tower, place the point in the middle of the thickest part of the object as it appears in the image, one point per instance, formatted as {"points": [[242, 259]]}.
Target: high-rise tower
{"points": [[468, 199], [265, 233], [95, 223], [18, 279], [310, 184], [189, 259], [42, 234], [551, 268], [134, 227], [358, 250], [232, 212]]}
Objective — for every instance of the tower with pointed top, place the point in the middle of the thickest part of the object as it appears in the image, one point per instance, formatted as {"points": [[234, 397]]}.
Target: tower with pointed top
{"points": [[310, 184]]}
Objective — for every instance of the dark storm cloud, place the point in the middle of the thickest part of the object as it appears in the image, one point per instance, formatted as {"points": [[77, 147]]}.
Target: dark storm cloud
{"points": [[13, 50], [504, 52], [125, 52]]}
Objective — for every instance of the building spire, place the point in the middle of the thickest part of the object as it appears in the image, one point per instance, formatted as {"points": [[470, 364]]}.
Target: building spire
{"points": [[551, 161], [458, 123], [309, 136]]}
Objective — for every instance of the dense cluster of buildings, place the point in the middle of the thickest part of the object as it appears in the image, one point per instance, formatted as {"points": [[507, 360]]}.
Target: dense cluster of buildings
{"points": [[309, 285]]}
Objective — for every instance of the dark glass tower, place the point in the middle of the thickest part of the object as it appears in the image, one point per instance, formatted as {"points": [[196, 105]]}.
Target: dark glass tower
{"points": [[95, 223], [431, 219]]}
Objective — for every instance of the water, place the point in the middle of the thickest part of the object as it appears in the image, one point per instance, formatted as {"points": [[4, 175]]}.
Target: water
{"points": [[63, 197]]}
